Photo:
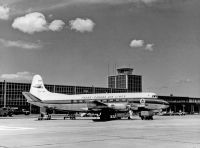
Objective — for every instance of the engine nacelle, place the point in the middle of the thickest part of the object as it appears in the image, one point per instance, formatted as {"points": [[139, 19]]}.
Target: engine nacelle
{"points": [[118, 106]]}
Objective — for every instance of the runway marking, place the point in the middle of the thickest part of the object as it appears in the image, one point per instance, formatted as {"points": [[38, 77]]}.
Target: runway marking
{"points": [[6, 128]]}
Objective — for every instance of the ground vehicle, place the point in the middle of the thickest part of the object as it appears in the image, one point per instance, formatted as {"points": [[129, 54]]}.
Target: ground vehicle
{"points": [[146, 115], [179, 113], [122, 115], [6, 111], [25, 112], [44, 116], [18, 111]]}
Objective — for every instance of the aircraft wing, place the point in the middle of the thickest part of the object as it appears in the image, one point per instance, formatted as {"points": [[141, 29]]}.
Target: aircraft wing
{"points": [[142, 107], [96, 105], [99, 103], [100, 106]]}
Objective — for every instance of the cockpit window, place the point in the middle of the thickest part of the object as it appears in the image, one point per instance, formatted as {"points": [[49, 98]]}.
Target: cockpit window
{"points": [[155, 96]]}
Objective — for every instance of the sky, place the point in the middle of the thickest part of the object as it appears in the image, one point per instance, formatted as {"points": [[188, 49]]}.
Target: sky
{"points": [[72, 42]]}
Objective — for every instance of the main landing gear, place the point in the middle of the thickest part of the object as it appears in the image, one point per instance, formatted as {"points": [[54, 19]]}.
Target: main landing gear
{"points": [[45, 113], [104, 116], [146, 115], [44, 116], [147, 118]]}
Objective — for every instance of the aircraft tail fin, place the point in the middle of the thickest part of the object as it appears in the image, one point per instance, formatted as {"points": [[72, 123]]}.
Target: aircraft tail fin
{"points": [[37, 86]]}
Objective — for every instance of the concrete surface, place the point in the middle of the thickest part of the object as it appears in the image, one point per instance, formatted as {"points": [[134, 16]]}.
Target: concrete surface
{"points": [[162, 132]]}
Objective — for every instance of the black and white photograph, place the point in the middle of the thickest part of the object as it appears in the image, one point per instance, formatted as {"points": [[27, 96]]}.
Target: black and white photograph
{"points": [[99, 73]]}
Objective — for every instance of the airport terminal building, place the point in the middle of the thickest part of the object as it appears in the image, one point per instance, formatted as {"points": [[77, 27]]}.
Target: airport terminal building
{"points": [[124, 81], [186, 104]]}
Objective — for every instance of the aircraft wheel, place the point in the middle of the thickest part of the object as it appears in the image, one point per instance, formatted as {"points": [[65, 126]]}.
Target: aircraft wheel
{"points": [[142, 117], [104, 117]]}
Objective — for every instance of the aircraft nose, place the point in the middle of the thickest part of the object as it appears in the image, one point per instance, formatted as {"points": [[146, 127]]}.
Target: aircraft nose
{"points": [[166, 104]]}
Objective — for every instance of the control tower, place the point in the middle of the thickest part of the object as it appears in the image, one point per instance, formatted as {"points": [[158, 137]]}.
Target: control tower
{"points": [[125, 71], [126, 80]]}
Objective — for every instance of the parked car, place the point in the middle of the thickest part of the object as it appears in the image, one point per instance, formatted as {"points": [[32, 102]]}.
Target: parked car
{"points": [[6, 111], [170, 113], [179, 113], [21, 111]]}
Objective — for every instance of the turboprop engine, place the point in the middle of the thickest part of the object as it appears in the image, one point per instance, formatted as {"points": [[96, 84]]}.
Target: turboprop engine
{"points": [[118, 106]]}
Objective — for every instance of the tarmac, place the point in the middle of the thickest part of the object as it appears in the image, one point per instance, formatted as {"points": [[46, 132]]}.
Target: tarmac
{"points": [[162, 132]]}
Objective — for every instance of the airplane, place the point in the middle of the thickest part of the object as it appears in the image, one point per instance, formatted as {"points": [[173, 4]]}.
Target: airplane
{"points": [[105, 104]]}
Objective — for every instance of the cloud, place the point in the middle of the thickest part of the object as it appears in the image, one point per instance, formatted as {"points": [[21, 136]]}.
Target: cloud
{"points": [[18, 76], [56, 25], [136, 43], [64, 3], [140, 43], [148, 1], [158, 87], [82, 25], [36, 22], [184, 81], [50, 15], [30, 23], [4, 12], [149, 47], [24, 6], [20, 44]]}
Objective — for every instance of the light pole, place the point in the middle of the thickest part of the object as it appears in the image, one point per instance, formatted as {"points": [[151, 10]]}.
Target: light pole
{"points": [[4, 102], [183, 107]]}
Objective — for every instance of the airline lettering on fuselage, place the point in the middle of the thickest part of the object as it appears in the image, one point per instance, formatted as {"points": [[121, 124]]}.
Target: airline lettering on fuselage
{"points": [[103, 97]]}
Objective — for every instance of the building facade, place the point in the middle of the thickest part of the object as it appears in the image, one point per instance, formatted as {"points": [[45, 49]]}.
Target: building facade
{"points": [[185, 104], [126, 80]]}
